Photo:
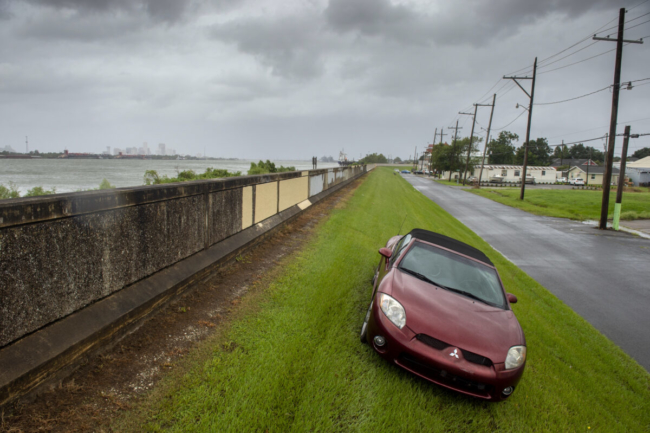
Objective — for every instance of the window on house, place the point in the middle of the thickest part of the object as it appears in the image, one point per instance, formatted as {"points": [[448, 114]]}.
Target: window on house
{"points": [[504, 172], [593, 176], [543, 172], [517, 173]]}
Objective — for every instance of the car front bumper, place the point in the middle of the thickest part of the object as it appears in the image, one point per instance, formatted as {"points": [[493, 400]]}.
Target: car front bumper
{"points": [[446, 367]]}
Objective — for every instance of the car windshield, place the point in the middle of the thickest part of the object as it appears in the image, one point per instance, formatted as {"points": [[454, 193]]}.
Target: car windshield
{"points": [[453, 272]]}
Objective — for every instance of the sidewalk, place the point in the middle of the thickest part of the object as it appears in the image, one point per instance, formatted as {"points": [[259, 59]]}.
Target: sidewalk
{"points": [[642, 226]]}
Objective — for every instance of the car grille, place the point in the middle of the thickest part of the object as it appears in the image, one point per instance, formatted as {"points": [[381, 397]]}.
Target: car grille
{"points": [[443, 376], [441, 345]]}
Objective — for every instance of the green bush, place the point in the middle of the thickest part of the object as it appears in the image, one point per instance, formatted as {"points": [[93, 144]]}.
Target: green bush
{"points": [[151, 177], [105, 184], [268, 167], [11, 192], [38, 190]]}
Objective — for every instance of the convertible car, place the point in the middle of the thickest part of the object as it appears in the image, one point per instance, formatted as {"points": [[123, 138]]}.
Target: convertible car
{"points": [[439, 310]]}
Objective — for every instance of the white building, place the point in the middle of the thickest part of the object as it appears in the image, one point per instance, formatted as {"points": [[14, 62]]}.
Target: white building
{"points": [[161, 149], [508, 173], [639, 171]]}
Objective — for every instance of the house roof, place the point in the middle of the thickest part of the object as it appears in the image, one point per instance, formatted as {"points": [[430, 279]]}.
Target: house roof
{"points": [[515, 167], [599, 169], [643, 163], [557, 162]]}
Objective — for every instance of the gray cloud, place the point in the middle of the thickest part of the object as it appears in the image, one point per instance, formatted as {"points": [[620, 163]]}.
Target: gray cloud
{"points": [[462, 21], [290, 46]]}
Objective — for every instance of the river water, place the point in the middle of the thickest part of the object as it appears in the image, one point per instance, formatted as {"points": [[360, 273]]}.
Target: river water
{"points": [[68, 175]]}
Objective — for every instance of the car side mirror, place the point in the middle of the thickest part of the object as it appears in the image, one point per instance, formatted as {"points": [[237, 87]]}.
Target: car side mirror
{"points": [[511, 298], [386, 252]]}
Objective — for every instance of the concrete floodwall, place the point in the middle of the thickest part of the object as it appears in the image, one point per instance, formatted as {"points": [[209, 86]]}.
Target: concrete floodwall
{"points": [[61, 253]]}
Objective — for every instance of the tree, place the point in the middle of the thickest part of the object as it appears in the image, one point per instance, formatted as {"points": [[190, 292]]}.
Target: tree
{"points": [[11, 192], [539, 153], [397, 160], [268, 167], [105, 184], [452, 158], [561, 152], [374, 158], [39, 190], [579, 151], [641, 153], [502, 150]]}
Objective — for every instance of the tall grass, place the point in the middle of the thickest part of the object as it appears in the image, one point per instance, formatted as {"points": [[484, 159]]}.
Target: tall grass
{"points": [[293, 361]]}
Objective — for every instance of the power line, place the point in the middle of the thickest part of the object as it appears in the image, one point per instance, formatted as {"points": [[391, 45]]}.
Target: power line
{"points": [[640, 24], [572, 99], [580, 61], [513, 121]]}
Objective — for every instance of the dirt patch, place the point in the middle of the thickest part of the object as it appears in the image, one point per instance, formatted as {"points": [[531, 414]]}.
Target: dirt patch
{"points": [[117, 380]]}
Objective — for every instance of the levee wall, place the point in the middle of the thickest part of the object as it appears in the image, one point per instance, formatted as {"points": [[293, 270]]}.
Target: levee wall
{"points": [[79, 271]]}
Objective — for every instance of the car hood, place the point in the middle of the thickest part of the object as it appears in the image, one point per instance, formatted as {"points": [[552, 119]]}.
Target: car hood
{"points": [[455, 319]]}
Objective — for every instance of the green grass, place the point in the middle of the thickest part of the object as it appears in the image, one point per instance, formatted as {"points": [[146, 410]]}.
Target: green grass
{"points": [[451, 182], [566, 203], [292, 360]]}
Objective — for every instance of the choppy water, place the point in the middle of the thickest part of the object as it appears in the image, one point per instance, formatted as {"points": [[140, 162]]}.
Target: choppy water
{"points": [[67, 175]]}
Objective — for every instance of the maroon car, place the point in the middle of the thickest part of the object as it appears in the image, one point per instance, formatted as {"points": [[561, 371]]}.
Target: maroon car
{"points": [[439, 310]]}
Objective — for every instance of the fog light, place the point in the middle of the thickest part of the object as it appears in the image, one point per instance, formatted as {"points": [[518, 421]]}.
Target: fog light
{"points": [[508, 390], [380, 341]]}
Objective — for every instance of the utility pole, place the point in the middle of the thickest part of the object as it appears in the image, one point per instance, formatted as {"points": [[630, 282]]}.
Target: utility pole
{"points": [[487, 139], [442, 132], [471, 138], [454, 141], [621, 177], [433, 143], [562, 154], [415, 156], [612, 123], [530, 117], [588, 164]]}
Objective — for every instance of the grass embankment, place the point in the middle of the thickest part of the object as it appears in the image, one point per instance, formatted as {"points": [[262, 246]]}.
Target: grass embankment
{"points": [[574, 204], [293, 361], [450, 182]]}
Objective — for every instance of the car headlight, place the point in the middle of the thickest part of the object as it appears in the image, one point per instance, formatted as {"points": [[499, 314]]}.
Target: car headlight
{"points": [[393, 310], [516, 357]]}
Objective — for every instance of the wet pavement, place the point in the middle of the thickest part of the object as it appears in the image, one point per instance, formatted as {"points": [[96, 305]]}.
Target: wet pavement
{"points": [[602, 275]]}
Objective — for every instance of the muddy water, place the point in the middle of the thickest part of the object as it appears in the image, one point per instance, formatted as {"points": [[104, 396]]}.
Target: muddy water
{"points": [[68, 175]]}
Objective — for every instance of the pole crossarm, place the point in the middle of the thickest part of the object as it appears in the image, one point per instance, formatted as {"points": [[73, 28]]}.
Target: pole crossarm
{"points": [[469, 114], [627, 41], [483, 105], [517, 82]]}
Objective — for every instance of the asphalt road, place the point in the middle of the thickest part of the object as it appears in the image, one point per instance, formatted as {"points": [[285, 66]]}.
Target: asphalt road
{"points": [[603, 275]]}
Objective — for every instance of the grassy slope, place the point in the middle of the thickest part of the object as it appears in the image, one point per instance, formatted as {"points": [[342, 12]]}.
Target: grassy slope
{"points": [[574, 204], [294, 362]]}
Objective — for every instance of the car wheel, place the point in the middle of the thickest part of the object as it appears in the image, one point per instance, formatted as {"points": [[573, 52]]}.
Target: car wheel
{"points": [[364, 327]]}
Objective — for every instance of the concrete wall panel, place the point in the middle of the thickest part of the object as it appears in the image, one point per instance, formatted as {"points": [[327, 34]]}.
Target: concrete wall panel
{"points": [[247, 207], [266, 201], [225, 214], [49, 270], [316, 184], [293, 191]]}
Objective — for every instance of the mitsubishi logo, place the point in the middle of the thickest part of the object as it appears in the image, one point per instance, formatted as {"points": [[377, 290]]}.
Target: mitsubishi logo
{"points": [[454, 353]]}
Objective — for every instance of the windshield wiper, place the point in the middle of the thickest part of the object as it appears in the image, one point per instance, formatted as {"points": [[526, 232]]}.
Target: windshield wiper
{"points": [[462, 292], [468, 294], [423, 277]]}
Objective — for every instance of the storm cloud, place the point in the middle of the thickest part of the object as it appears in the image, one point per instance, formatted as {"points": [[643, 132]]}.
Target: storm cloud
{"points": [[293, 79]]}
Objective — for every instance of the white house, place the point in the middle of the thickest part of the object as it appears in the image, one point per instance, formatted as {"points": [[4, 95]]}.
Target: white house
{"points": [[509, 173], [639, 171]]}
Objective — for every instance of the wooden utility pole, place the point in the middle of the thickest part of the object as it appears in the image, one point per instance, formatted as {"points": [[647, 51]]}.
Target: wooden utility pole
{"points": [[487, 138], [454, 140], [530, 117], [415, 158], [433, 143], [471, 138], [562, 154], [588, 164], [607, 179], [621, 178]]}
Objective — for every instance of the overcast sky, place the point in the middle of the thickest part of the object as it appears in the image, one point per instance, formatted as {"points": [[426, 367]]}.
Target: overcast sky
{"points": [[301, 78]]}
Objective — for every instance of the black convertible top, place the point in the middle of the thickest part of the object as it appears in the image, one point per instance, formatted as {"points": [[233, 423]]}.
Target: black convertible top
{"points": [[450, 243]]}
